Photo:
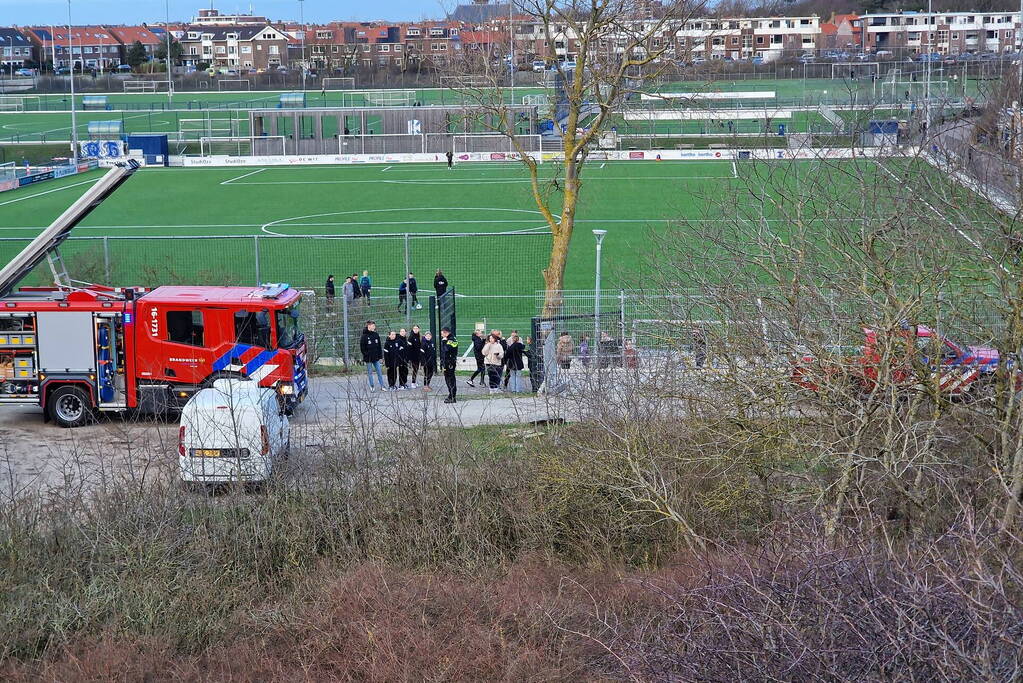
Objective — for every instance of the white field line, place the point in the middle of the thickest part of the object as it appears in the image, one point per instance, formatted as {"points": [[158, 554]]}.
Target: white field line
{"points": [[244, 175], [735, 170], [974, 243], [478, 181], [40, 194]]}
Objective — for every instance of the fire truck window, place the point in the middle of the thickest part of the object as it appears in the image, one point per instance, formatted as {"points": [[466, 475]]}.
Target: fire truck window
{"points": [[185, 327], [252, 327]]}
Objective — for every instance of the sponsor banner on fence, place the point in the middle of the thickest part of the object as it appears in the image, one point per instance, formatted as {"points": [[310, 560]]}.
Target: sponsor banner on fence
{"points": [[64, 171], [609, 155], [35, 178]]}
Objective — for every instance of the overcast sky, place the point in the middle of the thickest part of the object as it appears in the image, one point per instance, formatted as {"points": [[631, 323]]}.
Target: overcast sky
{"points": [[45, 12]]}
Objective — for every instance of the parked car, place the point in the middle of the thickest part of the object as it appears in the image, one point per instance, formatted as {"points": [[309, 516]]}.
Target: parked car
{"points": [[234, 431], [24, 72], [539, 66], [884, 54], [697, 61], [62, 71]]}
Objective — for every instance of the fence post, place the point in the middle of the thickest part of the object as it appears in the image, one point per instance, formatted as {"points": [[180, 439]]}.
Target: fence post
{"points": [[621, 308], [408, 295], [106, 260], [344, 328], [255, 253]]}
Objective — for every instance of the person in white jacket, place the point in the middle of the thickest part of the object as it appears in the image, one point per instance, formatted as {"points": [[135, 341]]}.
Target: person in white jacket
{"points": [[493, 359]]}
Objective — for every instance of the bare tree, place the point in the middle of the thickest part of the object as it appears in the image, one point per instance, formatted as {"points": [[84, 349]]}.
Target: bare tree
{"points": [[617, 45]]}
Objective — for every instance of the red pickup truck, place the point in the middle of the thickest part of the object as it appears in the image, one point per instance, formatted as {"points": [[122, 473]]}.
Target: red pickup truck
{"points": [[962, 370]]}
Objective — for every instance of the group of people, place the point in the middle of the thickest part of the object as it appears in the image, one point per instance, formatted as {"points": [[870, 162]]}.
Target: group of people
{"points": [[354, 287], [403, 354], [409, 289], [496, 357], [609, 353]]}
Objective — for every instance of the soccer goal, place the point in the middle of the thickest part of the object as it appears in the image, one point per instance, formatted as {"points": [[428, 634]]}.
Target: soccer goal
{"points": [[262, 146], [380, 98], [234, 84], [855, 70], [463, 81], [534, 100], [20, 103], [146, 86], [193, 129], [496, 144], [8, 171], [901, 91], [338, 83]]}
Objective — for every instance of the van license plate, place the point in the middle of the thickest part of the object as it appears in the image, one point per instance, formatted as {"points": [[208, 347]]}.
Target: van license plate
{"points": [[207, 453]]}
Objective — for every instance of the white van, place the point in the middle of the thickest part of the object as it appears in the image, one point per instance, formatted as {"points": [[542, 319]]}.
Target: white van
{"points": [[235, 431]]}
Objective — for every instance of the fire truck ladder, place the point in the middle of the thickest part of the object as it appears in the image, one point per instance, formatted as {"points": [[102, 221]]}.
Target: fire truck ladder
{"points": [[46, 244]]}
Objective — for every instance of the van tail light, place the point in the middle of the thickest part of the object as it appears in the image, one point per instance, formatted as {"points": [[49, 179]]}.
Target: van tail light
{"points": [[264, 436], [181, 441]]}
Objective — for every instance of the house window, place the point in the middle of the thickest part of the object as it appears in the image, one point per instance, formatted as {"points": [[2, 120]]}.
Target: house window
{"points": [[185, 327], [333, 48], [412, 32], [397, 48], [232, 36], [274, 50], [365, 47], [760, 40], [193, 35], [325, 35], [221, 50], [246, 49], [384, 48]]}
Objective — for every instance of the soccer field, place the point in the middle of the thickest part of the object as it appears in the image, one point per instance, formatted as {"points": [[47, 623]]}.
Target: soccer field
{"points": [[478, 222]]}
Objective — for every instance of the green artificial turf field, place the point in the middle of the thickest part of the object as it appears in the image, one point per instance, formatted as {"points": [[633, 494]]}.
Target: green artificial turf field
{"points": [[362, 213]]}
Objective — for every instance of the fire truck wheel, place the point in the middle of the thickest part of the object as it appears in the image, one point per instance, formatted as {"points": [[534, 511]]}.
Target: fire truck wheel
{"points": [[69, 406]]}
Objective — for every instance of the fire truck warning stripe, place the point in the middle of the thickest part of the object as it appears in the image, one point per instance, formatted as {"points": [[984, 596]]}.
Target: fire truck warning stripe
{"points": [[236, 351], [259, 361]]}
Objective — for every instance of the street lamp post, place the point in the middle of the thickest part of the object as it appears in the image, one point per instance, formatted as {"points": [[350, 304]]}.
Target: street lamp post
{"points": [[301, 21], [74, 118], [595, 343], [170, 74]]}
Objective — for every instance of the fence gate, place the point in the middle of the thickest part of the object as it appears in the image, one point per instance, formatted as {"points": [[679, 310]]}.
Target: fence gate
{"points": [[442, 314]]}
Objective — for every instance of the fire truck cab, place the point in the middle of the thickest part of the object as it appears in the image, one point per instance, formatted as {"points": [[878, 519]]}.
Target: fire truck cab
{"points": [[78, 348]]}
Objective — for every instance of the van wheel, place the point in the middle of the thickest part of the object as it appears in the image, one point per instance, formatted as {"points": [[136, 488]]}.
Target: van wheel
{"points": [[69, 406]]}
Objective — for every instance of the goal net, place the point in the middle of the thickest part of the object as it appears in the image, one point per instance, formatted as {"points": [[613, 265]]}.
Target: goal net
{"points": [[20, 103], [339, 83], [234, 84], [534, 100], [466, 81], [193, 129], [902, 91], [8, 171], [380, 98], [146, 86], [264, 146], [496, 144], [855, 70]]}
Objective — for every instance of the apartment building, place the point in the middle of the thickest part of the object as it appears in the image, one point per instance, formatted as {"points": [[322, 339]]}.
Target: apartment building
{"points": [[432, 42], [254, 46], [85, 47], [909, 33], [768, 38], [15, 50], [149, 38]]}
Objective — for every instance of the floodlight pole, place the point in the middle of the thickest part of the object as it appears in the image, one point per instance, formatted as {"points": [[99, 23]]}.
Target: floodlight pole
{"points": [[170, 74], [595, 342], [931, 26], [74, 118], [301, 21]]}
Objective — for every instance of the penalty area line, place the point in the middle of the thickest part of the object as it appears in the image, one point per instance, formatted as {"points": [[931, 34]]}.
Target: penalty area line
{"points": [[245, 175]]}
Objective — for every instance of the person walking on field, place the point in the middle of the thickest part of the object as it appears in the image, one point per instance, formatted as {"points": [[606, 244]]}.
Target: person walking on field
{"points": [[451, 159], [448, 362], [428, 357], [477, 352], [365, 284], [440, 284], [372, 353], [403, 359], [514, 357], [403, 296], [328, 292], [493, 356], [392, 350], [415, 352], [413, 290]]}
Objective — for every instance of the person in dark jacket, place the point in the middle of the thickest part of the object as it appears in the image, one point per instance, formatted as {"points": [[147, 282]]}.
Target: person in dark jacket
{"points": [[356, 287], [477, 351], [451, 159], [403, 296], [440, 283], [514, 358], [448, 362], [415, 352], [372, 353], [328, 291], [403, 359], [392, 352], [428, 357], [413, 290]]}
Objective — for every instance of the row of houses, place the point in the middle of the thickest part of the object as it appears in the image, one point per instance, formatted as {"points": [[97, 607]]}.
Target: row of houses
{"points": [[248, 42]]}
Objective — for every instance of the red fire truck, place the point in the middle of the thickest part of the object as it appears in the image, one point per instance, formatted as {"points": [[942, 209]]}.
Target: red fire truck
{"points": [[77, 348]]}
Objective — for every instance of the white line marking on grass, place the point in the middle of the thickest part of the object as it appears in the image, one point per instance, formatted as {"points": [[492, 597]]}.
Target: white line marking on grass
{"points": [[603, 165], [56, 189], [387, 168], [285, 222], [735, 170], [246, 175], [476, 181]]}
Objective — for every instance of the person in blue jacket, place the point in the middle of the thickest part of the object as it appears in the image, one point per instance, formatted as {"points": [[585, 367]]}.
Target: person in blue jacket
{"points": [[365, 284]]}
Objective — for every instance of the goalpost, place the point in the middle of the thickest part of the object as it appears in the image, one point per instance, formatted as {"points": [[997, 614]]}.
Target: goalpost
{"points": [[897, 91], [855, 69], [382, 98], [466, 81], [266, 146], [234, 84], [193, 129], [20, 103], [534, 100], [501, 146], [338, 83], [8, 171], [146, 86]]}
